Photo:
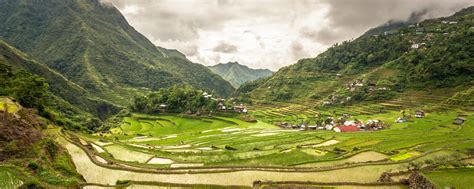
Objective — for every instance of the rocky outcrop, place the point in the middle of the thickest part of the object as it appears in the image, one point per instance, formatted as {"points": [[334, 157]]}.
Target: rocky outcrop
{"points": [[418, 181]]}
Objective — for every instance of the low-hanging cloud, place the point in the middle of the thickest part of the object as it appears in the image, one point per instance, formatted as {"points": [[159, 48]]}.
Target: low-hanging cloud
{"points": [[268, 33], [348, 19], [225, 47]]}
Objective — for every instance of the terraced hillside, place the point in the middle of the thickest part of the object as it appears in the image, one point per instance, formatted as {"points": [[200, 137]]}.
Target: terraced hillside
{"points": [[433, 54], [433, 100], [161, 144]]}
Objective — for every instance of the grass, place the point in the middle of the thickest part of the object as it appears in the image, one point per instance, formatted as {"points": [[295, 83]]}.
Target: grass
{"points": [[404, 156], [12, 107], [228, 141], [124, 154], [8, 179], [210, 140], [462, 178]]}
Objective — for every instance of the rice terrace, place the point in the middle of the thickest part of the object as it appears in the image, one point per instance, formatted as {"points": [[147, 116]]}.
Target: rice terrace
{"points": [[226, 150], [315, 94]]}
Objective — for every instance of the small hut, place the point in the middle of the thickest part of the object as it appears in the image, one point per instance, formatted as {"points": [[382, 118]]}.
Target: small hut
{"points": [[419, 114], [163, 107], [459, 120]]}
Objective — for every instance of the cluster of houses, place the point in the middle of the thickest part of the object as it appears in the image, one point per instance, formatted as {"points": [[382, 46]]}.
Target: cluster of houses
{"points": [[421, 114], [352, 86], [337, 126], [449, 22], [239, 108], [343, 125]]}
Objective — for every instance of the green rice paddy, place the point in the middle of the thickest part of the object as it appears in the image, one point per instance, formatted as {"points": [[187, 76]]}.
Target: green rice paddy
{"points": [[230, 142], [459, 178], [225, 141]]}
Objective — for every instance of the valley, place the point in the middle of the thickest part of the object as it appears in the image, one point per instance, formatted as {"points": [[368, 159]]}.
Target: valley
{"points": [[221, 148], [87, 101]]}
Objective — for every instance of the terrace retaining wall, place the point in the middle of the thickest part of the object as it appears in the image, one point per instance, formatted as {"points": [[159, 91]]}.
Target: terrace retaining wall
{"points": [[417, 180]]}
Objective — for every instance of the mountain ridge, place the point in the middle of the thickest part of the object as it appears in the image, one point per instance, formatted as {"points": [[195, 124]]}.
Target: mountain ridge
{"points": [[94, 46], [237, 74], [435, 53]]}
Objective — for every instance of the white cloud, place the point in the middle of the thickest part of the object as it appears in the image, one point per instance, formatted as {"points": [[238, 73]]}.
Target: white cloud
{"points": [[265, 33]]}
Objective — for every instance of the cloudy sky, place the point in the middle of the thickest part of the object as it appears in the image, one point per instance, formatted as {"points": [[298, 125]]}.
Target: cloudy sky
{"points": [[267, 33]]}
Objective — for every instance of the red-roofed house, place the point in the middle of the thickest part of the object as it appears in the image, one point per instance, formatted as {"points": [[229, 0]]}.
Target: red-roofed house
{"points": [[351, 128]]}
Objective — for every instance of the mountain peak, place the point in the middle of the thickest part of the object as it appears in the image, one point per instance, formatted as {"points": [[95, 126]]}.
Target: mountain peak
{"points": [[237, 74], [94, 46]]}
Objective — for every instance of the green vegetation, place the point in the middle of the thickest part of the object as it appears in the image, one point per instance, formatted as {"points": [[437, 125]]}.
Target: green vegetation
{"points": [[177, 99], [458, 178], [30, 90], [237, 74], [93, 46], [226, 141], [95, 63], [31, 159], [8, 179], [379, 67]]}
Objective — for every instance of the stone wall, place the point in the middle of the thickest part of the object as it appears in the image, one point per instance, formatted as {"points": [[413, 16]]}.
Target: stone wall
{"points": [[418, 181]]}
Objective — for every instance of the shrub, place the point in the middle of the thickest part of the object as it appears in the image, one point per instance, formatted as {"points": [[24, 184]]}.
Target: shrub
{"points": [[50, 147], [33, 165], [227, 147], [31, 184]]}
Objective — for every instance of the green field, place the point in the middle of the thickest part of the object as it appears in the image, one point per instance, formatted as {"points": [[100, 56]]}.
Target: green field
{"points": [[12, 107], [459, 178], [225, 141], [172, 141]]}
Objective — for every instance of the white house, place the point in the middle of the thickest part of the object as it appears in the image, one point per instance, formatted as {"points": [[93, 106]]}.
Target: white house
{"points": [[329, 127]]}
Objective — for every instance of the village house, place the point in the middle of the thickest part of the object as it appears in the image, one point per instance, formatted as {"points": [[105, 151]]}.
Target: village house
{"points": [[206, 95], [419, 32], [374, 124], [329, 127], [351, 128], [220, 106], [400, 120], [459, 120], [163, 107], [417, 45], [240, 108], [419, 114], [312, 127]]}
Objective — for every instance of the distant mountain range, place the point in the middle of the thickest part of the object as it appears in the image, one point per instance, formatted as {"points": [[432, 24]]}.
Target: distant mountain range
{"points": [[237, 74], [93, 47]]}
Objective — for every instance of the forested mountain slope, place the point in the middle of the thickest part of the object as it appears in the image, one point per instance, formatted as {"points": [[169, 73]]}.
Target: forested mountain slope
{"points": [[92, 45], [64, 91], [436, 53], [238, 74]]}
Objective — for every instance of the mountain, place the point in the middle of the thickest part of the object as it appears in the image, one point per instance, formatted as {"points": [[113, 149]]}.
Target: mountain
{"points": [[93, 46], [64, 91], [237, 74], [434, 54], [392, 26]]}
